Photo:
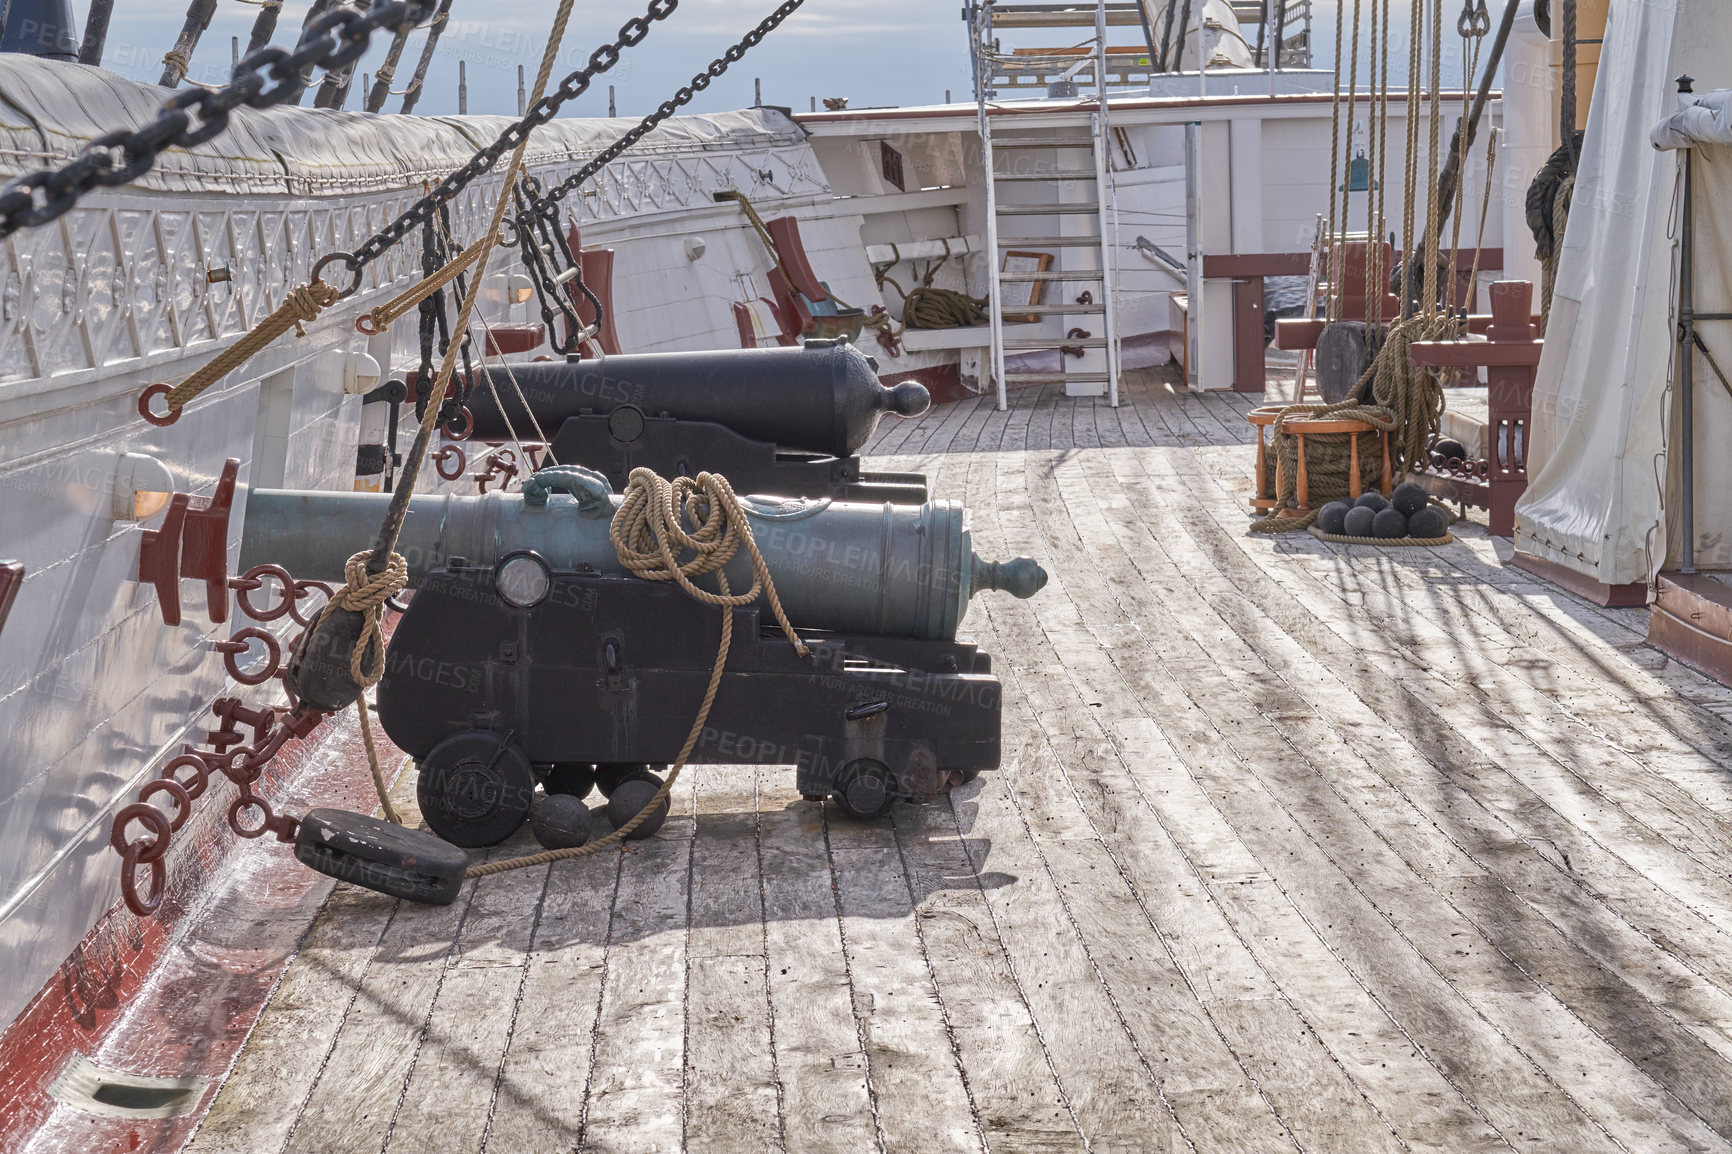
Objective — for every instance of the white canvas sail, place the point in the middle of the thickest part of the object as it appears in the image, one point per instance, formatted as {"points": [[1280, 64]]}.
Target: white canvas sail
{"points": [[1603, 401]]}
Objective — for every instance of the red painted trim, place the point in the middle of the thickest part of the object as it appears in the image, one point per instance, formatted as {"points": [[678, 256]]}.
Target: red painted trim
{"points": [[1691, 621], [1248, 264], [138, 994], [515, 338], [785, 231], [743, 324], [11, 580], [1630, 596], [944, 382]]}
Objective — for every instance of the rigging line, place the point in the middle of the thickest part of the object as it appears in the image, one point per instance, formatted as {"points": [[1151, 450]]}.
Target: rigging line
{"points": [[1381, 168], [1410, 186], [499, 355], [1469, 69], [1331, 301], [1432, 222], [384, 547]]}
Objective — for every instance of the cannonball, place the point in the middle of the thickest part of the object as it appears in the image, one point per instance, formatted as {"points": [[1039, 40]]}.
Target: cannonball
{"points": [[1409, 497], [1428, 524], [628, 798], [1373, 501], [1449, 449], [1390, 524], [1358, 522], [1332, 517], [560, 821]]}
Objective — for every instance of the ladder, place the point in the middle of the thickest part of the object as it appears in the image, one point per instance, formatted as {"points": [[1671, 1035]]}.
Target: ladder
{"points": [[1058, 293]]}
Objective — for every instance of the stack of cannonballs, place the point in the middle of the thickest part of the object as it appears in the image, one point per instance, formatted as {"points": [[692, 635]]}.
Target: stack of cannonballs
{"points": [[559, 819], [1406, 515]]}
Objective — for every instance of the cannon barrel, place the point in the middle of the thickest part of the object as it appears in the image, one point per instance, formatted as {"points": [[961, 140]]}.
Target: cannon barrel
{"points": [[823, 397], [891, 570]]}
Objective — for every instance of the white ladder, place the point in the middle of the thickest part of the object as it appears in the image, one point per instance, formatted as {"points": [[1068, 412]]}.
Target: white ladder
{"points": [[1082, 250]]}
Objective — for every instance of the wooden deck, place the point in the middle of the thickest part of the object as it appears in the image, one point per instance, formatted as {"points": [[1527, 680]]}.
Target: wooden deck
{"points": [[1295, 847]]}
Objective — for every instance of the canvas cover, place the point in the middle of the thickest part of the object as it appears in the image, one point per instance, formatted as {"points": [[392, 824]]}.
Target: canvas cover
{"points": [[1599, 463], [50, 110]]}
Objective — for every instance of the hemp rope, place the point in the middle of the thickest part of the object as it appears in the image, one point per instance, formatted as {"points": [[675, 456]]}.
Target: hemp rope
{"points": [[1334, 274], [383, 555], [1328, 462], [926, 307], [386, 314], [301, 307], [657, 520], [365, 593]]}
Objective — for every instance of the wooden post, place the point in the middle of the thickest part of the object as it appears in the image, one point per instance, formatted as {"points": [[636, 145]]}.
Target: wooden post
{"points": [[387, 72], [95, 32], [435, 26], [179, 58], [264, 26], [1510, 354]]}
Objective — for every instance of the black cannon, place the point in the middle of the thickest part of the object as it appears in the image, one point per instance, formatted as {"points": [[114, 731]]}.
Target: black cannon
{"points": [[528, 654], [788, 421]]}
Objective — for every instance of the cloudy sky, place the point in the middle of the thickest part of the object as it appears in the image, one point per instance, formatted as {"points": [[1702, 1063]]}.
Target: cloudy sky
{"points": [[875, 52]]}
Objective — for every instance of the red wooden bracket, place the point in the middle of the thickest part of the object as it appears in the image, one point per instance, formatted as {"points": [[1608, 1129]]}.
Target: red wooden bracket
{"points": [[159, 559], [193, 542], [204, 551], [11, 579]]}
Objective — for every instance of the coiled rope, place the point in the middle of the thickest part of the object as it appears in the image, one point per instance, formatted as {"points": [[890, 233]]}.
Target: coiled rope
{"points": [[657, 522], [926, 307]]}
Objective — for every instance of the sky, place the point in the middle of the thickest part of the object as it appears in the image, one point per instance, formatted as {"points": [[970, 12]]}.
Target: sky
{"points": [[874, 52]]}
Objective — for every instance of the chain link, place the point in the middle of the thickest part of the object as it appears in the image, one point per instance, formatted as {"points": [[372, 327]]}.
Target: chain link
{"points": [[632, 33], [196, 115], [673, 104]]}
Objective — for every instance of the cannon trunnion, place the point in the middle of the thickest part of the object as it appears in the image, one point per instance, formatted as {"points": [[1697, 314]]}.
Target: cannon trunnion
{"points": [[579, 670], [787, 421]]}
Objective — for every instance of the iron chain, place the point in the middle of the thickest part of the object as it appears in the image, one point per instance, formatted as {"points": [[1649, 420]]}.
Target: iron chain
{"points": [[673, 104], [631, 34], [196, 115]]}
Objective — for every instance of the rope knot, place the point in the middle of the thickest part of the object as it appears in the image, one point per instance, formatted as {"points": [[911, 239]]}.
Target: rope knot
{"points": [[364, 593], [303, 305]]}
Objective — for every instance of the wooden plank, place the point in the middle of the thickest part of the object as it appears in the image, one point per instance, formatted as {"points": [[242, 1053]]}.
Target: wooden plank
{"points": [[263, 1095], [1636, 1112], [355, 1100], [827, 1103], [449, 1093], [1010, 1078], [636, 1094], [1506, 1085], [922, 1100], [1224, 859], [1172, 1042], [546, 1070], [731, 1086]]}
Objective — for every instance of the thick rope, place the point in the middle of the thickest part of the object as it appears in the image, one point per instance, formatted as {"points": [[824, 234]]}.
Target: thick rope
{"points": [[301, 307], [1328, 460], [383, 555], [656, 522], [365, 593], [381, 318]]}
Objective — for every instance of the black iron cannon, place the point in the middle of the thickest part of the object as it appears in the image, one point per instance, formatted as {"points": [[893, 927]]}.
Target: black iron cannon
{"points": [[788, 421], [528, 654]]}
